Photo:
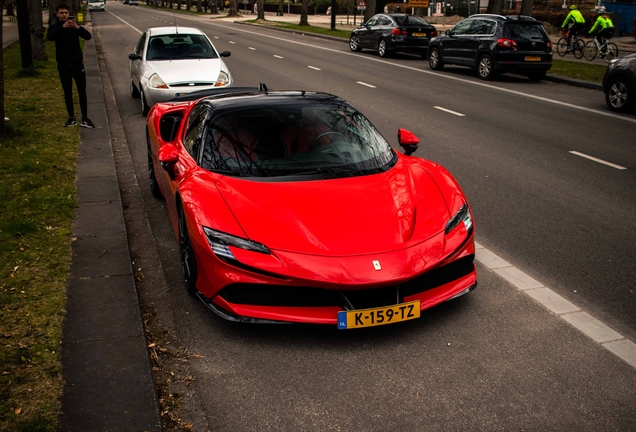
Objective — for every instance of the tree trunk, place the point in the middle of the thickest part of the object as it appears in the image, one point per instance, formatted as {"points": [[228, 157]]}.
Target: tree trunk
{"points": [[526, 7], [52, 5], [370, 11], [233, 9], [261, 9], [199, 6], [303, 13], [37, 30], [10, 8], [495, 7], [280, 11], [3, 126]]}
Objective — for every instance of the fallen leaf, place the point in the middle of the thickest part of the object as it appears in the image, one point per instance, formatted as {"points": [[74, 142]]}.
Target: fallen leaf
{"points": [[17, 410]]}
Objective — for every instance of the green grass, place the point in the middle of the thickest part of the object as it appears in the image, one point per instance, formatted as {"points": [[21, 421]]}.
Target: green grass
{"points": [[583, 71], [303, 29], [37, 192]]}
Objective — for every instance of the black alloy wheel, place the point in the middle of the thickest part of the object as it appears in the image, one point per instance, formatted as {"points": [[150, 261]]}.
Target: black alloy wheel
{"points": [[434, 59], [188, 261], [133, 90], [144, 104], [383, 50], [354, 43], [620, 95], [154, 186], [485, 67]]}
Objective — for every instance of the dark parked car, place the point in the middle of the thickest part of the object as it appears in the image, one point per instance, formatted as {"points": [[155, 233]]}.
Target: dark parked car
{"points": [[619, 84], [494, 44], [391, 33]]}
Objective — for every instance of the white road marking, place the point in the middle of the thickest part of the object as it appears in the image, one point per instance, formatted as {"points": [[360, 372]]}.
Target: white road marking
{"points": [[253, 49], [216, 37], [232, 42], [449, 111], [365, 84], [125, 22], [314, 68], [277, 56], [566, 310], [598, 160]]}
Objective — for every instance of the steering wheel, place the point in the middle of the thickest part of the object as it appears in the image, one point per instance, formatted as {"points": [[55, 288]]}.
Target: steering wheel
{"points": [[314, 143]]}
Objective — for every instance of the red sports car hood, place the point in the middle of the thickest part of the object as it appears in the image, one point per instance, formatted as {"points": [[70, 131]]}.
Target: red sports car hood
{"points": [[350, 216]]}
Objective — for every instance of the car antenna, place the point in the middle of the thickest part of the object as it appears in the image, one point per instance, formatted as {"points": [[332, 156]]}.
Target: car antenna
{"points": [[175, 22], [262, 88]]}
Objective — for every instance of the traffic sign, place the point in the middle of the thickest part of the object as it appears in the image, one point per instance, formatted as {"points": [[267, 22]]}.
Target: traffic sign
{"points": [[362, 3]]}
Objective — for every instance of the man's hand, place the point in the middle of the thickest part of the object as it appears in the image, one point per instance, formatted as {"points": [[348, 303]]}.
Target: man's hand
{"points": [[69, 23]]}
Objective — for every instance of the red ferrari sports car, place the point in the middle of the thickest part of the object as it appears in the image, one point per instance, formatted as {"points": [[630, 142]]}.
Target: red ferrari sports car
{"points": [[289, 206]]}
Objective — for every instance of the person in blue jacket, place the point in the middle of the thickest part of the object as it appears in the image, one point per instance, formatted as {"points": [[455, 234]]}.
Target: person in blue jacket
{"points": [[65, 32]]}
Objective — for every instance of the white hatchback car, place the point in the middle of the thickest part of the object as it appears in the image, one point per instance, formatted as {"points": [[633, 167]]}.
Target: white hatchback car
{"points": [[96, 5], [173, 61]]}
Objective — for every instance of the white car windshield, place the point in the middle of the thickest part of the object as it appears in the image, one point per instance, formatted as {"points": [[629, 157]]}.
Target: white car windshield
{"points": [[179, 47]]}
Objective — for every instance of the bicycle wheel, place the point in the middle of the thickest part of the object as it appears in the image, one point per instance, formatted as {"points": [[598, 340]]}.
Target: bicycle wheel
{"points": [[590, 51], [562, 46], [578, 47], [612, 52]]}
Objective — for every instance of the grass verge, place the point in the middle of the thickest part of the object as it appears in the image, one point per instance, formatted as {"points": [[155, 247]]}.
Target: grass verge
{"points": [[344, 34], [37, 191], [578, 70]]}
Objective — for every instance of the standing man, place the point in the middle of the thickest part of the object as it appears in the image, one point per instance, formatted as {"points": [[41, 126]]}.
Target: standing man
{"points": [[577, 24], [68, 53]]}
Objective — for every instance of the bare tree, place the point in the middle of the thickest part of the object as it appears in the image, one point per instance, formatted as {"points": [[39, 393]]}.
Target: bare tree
{"points": [[199, 6], [280, 11], [495, 6], [10, 8], [370, 10], [526, 7], [261, 9], [233, 8], [303, 13], [37, 30], [3, 126]]}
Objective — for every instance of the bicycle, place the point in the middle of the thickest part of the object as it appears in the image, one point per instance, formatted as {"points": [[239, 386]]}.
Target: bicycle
{"points": [[577, 45], [608, 50]]}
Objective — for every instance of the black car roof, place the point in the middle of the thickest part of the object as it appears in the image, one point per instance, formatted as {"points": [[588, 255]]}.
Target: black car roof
{"points": [[505, 18]]}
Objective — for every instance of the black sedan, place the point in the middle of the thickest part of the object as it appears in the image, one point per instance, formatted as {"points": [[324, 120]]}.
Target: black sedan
{"points": [[494, 44], [619, 84], [391, 33]]}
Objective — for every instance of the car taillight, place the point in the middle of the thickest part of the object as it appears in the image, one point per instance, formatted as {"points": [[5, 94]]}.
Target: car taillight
{"points": [[399, 32], [548, 45], [433, 34], [507, 43]]}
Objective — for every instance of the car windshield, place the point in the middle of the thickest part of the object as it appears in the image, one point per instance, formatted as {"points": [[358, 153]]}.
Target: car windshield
{"points": [[527, 31], [179, 47], [405, 20], [301, 138]]}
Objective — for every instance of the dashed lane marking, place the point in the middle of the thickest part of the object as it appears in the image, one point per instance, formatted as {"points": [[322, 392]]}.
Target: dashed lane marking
{"points": [[314, 68], [365, 84], [601, 161], [450, 111]]}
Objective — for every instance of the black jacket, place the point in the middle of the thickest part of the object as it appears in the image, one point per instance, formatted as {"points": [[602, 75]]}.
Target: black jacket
{"points": [[67, 47]]}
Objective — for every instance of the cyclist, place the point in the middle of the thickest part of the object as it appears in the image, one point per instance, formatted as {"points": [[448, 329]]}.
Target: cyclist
{"points": [[576, 23], [605, 29]]}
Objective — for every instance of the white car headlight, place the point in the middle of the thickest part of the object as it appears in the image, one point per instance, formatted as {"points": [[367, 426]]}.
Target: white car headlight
{"points": [[220, 242], [463, 215], [223, 80], [155, 81]]}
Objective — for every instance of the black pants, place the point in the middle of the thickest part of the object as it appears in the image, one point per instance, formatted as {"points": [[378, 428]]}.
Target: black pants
{"points": [[68, 73], [574, 31]]}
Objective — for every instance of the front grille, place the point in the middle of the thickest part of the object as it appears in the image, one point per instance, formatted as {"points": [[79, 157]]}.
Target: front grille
{"points": [[290, 296]]}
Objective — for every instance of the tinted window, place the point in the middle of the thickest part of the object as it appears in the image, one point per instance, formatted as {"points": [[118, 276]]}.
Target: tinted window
{"points": [[384, 21], [526, 31], [483, 27], [180, 46], [194, 130], [299, 137], [462, 27], [372, 21], [410, 20]]}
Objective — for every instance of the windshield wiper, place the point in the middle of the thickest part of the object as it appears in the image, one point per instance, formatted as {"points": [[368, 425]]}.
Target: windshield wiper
{"points": [[230, 172], [328, 173]]}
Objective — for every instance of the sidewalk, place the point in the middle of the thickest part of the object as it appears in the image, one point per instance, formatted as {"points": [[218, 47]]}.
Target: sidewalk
{"points": [[105, 363]]}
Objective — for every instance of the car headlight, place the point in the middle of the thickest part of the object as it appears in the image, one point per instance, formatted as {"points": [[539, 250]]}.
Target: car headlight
{"points": [[155, 81], [220, 243], [223, 80], [463, 215]]}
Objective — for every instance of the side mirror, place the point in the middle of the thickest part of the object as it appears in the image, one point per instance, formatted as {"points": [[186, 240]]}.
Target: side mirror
{"points": [[225, 54], [168, 157], [407, 141], [134, 56], [447, 33]]}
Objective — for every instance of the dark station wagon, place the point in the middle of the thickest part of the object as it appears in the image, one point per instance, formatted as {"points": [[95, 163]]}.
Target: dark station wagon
{"points": [[494, 44]]}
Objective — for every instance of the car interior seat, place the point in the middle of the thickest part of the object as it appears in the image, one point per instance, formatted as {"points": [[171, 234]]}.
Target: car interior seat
{"points": [[196, 50], [298, 135], [155, 50]]}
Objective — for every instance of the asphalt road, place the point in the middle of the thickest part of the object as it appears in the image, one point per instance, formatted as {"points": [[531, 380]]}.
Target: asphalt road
{"points": [[492, 360]]}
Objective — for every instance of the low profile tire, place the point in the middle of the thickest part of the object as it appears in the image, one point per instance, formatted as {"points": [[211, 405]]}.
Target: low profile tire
{"points": [[485, 67], [435, 60], [188, 261], [152, 178], [144, 104], [620, 95], [383, 50], [536, 76], [354, 43], [133, 90]]}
